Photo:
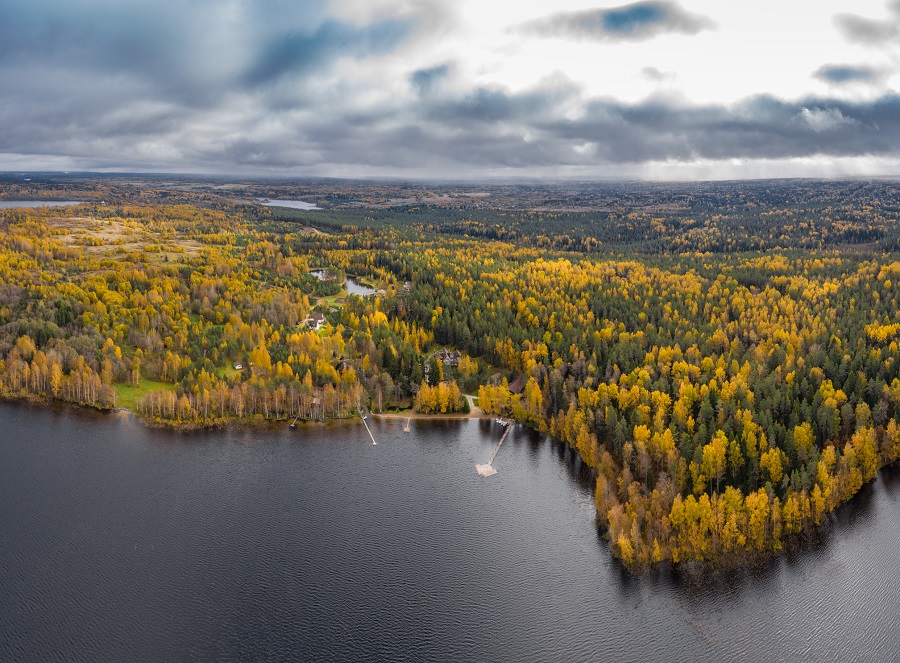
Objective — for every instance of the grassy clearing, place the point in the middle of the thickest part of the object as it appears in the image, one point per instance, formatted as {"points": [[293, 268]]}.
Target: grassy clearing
{"points": [[332, 300], [127, 394], [229, 372]]}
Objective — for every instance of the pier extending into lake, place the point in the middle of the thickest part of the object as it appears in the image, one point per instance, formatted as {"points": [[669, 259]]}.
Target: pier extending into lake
{"points": [[368, 430], [487, 469]]}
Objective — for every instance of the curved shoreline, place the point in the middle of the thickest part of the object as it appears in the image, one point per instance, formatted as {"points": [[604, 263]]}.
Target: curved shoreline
{"points": [[696, 570]]}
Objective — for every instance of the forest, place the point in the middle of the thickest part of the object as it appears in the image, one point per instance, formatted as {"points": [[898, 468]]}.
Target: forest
{"points": [[725, 359]]}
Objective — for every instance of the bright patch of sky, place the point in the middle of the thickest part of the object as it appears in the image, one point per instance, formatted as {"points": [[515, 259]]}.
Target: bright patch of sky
{"points": [[760, 47]]}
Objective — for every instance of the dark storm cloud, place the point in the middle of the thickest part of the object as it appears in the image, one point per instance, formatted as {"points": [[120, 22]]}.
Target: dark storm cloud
{"points": [[297, 53], [108, 82], [490, 129], [509, 129], [251, 86], [490, 106], [634, 22], [186, 52], [761, 127], [486, 128], [189, 53], [840, 74]]}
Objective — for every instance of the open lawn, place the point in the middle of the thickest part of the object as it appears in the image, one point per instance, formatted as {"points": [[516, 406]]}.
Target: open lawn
{"points": [[127, 394]]}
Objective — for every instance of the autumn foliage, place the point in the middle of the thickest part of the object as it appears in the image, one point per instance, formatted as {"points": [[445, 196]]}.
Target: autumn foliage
{"points": [[728, 401]]}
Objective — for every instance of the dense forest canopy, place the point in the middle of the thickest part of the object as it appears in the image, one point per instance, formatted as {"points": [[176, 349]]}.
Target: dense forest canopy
{"points": [[723, 355]]}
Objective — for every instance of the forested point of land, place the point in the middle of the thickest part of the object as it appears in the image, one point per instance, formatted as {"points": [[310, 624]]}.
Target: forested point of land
{"points": [[724, 356]]}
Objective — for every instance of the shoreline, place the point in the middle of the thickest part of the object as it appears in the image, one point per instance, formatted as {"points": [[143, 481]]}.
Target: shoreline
{"points": [[245, 422], [693, 570], [420, 416]]}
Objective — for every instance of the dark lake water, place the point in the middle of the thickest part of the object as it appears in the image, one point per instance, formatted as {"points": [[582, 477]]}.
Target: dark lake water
{"points": [[119, 543], [350, 283], [355, 288]]}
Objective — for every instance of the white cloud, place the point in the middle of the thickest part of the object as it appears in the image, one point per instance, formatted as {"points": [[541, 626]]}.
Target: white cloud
{"points": [[824, 119]]}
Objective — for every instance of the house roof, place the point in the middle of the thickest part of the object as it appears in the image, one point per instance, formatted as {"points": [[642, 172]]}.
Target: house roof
{"points": [[517, 386]]}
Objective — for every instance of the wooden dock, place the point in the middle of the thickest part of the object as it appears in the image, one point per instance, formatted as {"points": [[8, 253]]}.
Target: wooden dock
{"points": [[368, 430], [487, 469]]}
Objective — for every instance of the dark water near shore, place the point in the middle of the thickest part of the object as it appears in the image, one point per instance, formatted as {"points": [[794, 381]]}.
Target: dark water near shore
{"points": [[120, 543]]}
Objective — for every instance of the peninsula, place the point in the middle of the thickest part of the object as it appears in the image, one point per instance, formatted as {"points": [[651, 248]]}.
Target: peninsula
{"points": [[723, 355]]}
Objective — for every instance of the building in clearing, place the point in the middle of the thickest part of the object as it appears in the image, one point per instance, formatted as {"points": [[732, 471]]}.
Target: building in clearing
{"points": [[316, 320]]}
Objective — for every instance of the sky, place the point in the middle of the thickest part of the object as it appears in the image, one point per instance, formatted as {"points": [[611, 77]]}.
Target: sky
{"points": [[657, 89]]}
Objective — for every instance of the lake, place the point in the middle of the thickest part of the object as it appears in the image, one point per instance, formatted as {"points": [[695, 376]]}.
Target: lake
{"points": [[13, 204], [293, 204], [350, 285], [121, 543]]}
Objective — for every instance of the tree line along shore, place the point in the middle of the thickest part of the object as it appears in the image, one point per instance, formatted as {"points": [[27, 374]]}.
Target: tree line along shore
{"points": [[727, 401]]}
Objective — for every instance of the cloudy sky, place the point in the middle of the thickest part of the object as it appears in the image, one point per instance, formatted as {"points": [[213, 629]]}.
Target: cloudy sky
{"points": [[431, 88]]}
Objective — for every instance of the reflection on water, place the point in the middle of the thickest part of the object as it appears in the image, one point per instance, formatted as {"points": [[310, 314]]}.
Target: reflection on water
{"points": [[350, 284], [890, 478], [121, 543], [355, 288]]}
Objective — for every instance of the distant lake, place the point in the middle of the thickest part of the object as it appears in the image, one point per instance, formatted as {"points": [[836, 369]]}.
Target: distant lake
{"points": [[293, 204], [350, 284], [13, 204], [123, 543]]}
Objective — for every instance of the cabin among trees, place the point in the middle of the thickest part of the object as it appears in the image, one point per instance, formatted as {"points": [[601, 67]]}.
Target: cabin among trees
{"points": [[449, 357], [315, 320], [517, 386]]}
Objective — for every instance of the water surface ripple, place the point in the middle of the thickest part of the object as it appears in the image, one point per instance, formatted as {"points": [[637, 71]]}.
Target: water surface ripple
{"points": [[122, 543]]}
